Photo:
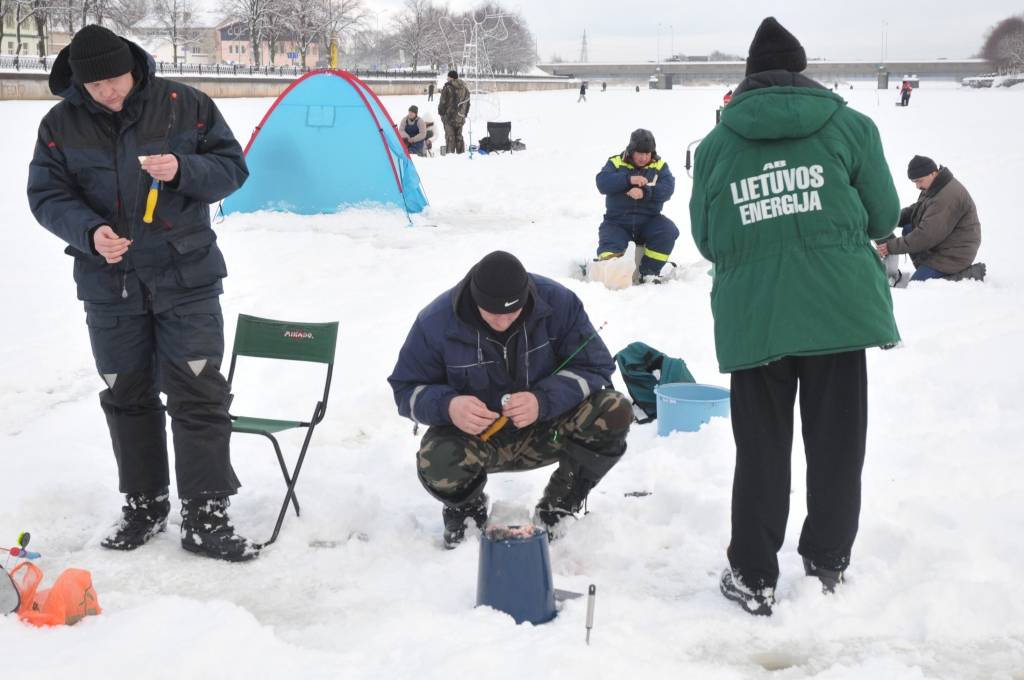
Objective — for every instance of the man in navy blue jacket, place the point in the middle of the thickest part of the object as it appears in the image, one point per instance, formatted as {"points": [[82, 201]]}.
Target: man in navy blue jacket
{"points": [[494, 347], [636, 184], [150, 286]]}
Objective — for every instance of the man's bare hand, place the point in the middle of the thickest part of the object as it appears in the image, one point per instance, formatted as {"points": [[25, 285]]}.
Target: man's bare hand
{"points": [[163, 167], [109, 245], [638, 180], [635, 193], [883, 249], [470, 415], [521, 408]]}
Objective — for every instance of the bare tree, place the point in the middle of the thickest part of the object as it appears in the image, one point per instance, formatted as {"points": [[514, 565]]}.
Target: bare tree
{"points": [[124, 14], [417, 31], [1004, 44], [176, 19], [253, 21], [342, 19], [304, 20], [27, 12]]}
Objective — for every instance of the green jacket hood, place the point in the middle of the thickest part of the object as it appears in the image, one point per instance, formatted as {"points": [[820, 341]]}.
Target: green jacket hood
{"points": [[781, 112]]}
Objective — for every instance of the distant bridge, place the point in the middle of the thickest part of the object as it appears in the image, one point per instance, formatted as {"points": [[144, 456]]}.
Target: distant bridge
{"points": [[732, 71]]}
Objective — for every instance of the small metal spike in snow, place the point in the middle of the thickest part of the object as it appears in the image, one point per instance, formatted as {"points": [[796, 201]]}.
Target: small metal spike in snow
{"points": [[591, 596]]}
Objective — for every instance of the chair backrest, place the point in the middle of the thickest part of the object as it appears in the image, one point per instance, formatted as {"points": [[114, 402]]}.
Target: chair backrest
{"points": [[292, 340], [289, 340], [499, 133]]}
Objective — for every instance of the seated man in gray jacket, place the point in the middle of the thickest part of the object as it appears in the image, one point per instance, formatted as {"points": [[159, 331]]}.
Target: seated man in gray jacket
{"points": [[940, 232], [413, 130]]}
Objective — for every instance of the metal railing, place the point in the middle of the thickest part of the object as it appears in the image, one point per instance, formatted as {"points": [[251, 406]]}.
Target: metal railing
{"points": [[44, 64]]}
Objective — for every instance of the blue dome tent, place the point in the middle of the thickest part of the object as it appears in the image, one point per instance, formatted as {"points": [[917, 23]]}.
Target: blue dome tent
{"points": [[326, 143]]}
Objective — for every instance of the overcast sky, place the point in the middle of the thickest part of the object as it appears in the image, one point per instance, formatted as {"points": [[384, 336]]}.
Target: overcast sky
{"points": [[628, 30]]}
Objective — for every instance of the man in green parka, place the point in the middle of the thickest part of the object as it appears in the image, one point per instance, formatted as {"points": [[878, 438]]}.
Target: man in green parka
{"points": [[788, 191]]}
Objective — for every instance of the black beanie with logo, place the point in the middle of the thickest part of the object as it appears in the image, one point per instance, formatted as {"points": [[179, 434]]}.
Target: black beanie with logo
{"points": [[774, 48], [499, 283], [97, 53]]}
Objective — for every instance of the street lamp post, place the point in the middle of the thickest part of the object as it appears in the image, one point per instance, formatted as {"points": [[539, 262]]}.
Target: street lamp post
{"points": [[380, 38], [658, 58]]}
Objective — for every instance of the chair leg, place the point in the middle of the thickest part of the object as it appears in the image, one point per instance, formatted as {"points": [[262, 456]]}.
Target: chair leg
{"points": [[284, 471], [291, 483]]}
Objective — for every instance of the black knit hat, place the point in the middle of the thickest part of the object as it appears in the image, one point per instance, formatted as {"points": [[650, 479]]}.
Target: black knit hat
{"points": [[640, 140], [414, 109], [499, 284], [774, 48], [921, 166], [453, 74], [97, 53]]}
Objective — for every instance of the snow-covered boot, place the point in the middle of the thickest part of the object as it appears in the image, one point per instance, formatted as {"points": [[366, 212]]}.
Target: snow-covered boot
{"points": [[563, 497], [756, 601], [455, 517], [143, 516], [830, 578], [206, 529]]}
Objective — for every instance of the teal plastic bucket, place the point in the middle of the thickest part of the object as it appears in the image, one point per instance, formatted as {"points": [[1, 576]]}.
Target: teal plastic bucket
{"points": [[684, 407]]}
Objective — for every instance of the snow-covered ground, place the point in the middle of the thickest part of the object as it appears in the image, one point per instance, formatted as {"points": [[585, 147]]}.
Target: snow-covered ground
{"points": [[934, 589]]}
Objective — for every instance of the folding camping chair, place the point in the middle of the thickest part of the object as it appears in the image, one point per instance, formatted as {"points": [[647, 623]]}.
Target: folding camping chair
{"points": [[498, 133], [290, 341]]}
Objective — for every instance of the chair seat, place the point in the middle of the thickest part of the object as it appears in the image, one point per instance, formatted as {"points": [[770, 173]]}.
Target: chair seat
{"points": [[261, 425]]}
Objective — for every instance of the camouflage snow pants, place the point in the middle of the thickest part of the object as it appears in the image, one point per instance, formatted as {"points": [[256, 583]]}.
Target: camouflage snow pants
{"points": [[453, 465]]}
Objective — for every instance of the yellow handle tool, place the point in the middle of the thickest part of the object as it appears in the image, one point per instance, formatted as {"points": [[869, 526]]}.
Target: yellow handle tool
{"points": [[154, 192], [494, 428]]}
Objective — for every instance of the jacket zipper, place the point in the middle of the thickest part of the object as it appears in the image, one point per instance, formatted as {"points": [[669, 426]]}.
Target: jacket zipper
{"points": [[120, 212], [504, 352]]}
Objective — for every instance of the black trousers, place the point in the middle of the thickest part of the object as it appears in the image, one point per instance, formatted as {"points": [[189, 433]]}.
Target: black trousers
{"points": [[177, 352], [833, 409]]}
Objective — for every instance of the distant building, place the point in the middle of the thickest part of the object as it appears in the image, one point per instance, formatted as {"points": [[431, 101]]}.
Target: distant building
{"points": [[197, 39], [33, 44], [236, 48]]}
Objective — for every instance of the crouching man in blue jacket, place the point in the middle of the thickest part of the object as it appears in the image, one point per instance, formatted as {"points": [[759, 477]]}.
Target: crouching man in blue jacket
{"points": [[505, 346]]}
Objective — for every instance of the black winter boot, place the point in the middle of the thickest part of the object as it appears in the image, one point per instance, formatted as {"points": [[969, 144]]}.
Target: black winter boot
{"points": [[564, 496], [830, 578], [755, 601], [206, 530], [455, 517], [143, 516]]}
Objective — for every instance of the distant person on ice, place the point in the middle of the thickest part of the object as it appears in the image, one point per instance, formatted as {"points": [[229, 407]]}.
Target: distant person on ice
{"points": [[453, 109], [636, 184], [150, 290], [941, 231], [905, 91], [430, 92], [788, 192], [583, 92], [490, 347], [413, 130]]}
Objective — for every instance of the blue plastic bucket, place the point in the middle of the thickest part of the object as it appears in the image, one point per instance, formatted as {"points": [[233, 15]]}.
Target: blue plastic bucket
{"points": [[514, 575], [684, 407]]}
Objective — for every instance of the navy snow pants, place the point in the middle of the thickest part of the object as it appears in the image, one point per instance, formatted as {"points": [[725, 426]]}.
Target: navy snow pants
{"points": [[177, 352], [657, 234]]}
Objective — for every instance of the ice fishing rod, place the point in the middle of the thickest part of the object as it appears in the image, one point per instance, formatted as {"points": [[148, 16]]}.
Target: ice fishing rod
{"points": [[502, 421], [155, 185]]}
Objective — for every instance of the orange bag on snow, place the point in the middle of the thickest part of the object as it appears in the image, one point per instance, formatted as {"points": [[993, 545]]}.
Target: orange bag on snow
{"points": [[69, 600]]}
